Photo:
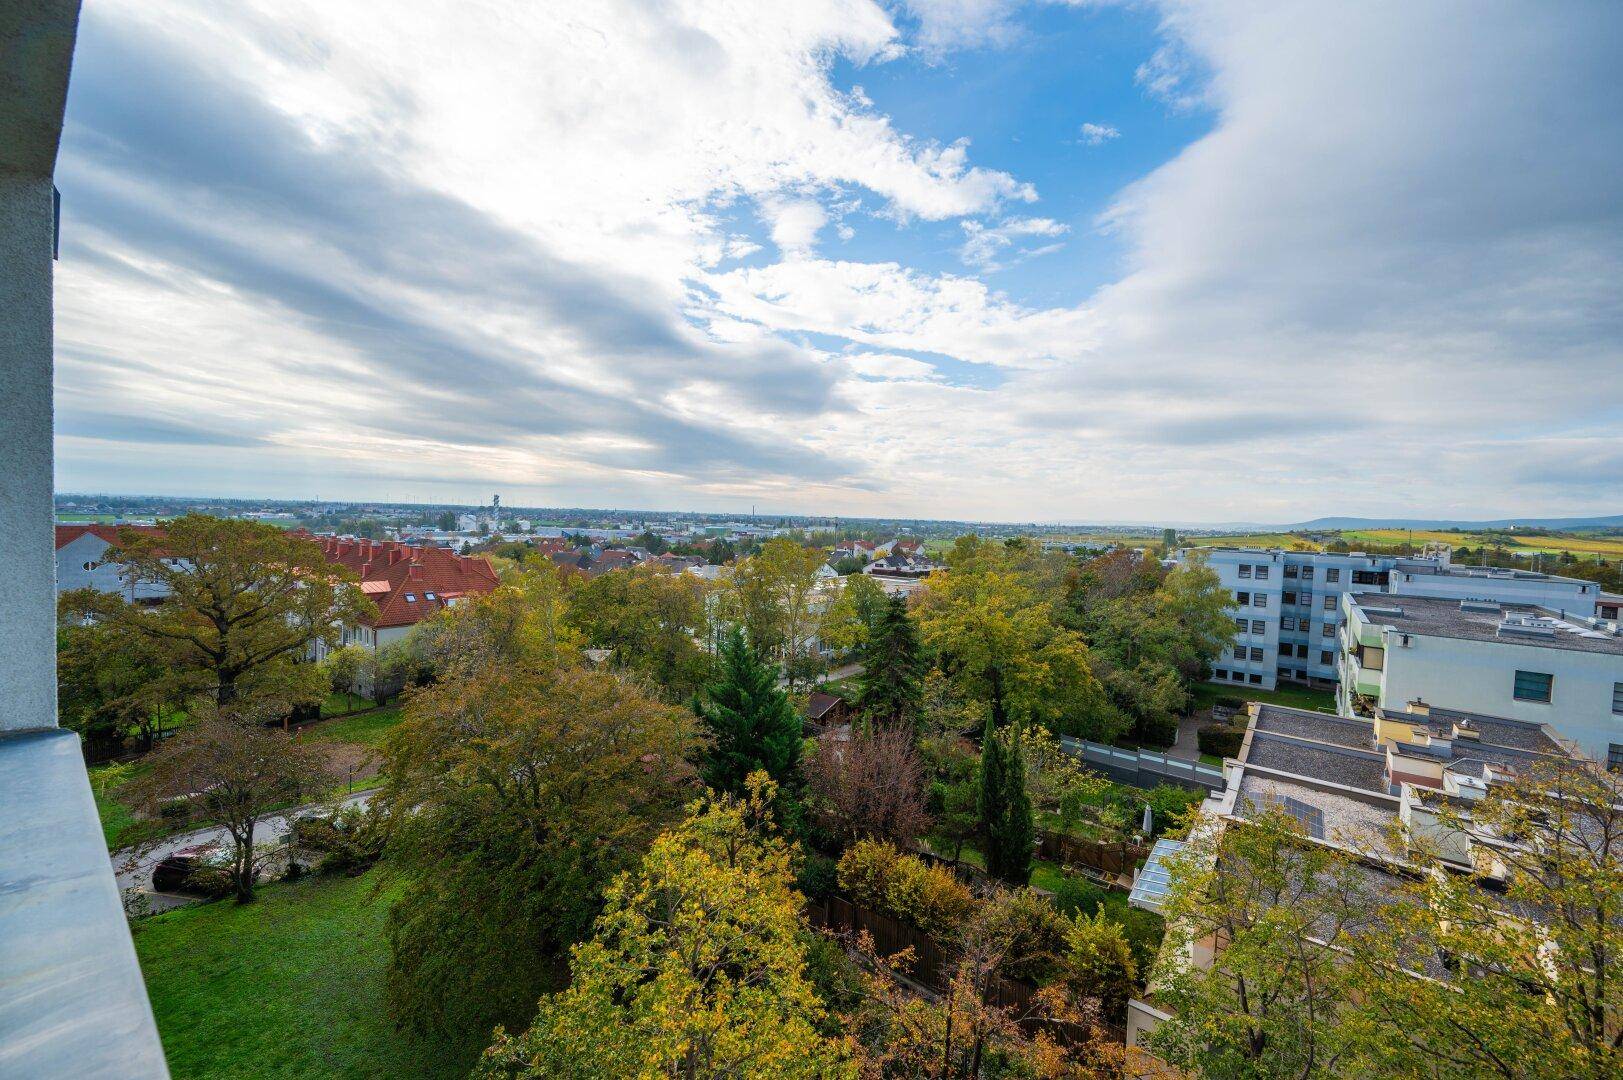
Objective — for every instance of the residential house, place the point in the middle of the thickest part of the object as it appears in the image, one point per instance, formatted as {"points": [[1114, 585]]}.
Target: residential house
{"points": [[408, 584], [82, 563]]}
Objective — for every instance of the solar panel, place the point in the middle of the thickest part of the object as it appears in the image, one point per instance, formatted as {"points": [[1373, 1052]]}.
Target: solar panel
{"points": [[1309, 817]]}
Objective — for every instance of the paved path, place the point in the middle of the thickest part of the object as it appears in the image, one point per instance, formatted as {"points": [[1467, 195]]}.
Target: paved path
{"points": [[1187, 748], [133, 866], [844, 672]]}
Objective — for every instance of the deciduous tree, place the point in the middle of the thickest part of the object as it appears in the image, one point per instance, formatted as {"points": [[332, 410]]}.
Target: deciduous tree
{"points": [[871, 786]]}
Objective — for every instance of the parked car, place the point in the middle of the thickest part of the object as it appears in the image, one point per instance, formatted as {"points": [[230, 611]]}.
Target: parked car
{"points": [[195, 871]]}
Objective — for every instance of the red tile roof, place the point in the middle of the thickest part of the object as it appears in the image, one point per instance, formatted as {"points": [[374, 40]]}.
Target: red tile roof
{"points": [[67, 534], [407, 583]]}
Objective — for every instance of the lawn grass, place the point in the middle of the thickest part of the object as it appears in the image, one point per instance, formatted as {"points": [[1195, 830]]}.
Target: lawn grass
{"points": [[362, 729], [1296, 697], [116, 815], [288, 986]]}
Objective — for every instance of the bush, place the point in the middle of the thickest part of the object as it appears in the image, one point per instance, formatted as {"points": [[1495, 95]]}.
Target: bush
{"points": [[1220, 740], [1031, 931], [349, 840], [1229, 702], [878, 876], [1100, 963], [817, 875], [1076, 895]]}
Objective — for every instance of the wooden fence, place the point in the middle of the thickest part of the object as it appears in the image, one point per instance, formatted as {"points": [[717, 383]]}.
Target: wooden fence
{"points": [[1112, 859]]}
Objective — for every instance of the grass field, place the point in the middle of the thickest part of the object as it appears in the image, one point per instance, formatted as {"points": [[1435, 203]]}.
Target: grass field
{"points": [[1296, 697], [363, 729], [289, 986]]}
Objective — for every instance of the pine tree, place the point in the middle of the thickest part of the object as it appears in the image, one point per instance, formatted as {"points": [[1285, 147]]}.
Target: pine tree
{"points": [[1007, 830], [752, 723], [892, 687]]}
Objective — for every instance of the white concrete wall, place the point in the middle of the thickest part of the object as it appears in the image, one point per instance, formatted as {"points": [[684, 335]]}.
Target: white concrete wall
{"points": [[28, 601], [1479, 676], [1558, 594]]}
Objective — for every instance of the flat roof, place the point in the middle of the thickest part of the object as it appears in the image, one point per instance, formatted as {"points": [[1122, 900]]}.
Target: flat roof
{"points": [[1489, 573], [1470, 620]]}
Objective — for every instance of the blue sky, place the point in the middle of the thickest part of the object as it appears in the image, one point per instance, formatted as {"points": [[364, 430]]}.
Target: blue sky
{"points": [[1045, 260]]}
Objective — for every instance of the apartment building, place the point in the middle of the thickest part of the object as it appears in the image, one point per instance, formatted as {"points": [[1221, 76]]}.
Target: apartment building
{"points": [[82, 563], [408, 584], [1368, 786], [1524, 661], [1287, 604]]}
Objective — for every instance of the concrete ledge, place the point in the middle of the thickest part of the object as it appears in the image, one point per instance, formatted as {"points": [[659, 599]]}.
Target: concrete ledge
{"points": [[72, 1000]]}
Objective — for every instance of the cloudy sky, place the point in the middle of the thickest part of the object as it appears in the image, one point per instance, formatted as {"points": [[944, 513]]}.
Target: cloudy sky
{"points": [[946, 258]]}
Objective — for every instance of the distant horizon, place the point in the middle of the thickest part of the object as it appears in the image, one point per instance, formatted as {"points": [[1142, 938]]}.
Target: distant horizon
{"points": [[1531, 520]]}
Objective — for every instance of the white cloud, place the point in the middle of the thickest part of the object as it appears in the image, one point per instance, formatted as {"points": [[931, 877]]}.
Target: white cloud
{"points": [[1099, 134], [985, 247], [795, 224]]}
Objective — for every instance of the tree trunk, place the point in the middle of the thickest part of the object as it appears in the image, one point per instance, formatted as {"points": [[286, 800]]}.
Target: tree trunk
{"points": [[243, 871]]}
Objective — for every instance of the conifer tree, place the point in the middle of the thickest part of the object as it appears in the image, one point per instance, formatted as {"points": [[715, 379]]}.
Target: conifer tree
{"points": [[1007, 830], [751, 721], [892, 684]]}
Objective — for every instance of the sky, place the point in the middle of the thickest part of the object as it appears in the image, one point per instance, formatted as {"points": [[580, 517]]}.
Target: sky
{"points": [[971, 259]]}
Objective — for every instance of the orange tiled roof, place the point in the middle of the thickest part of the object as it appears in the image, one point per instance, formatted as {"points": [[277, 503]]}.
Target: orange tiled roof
{"points": [[67, 534], [409, 584]]}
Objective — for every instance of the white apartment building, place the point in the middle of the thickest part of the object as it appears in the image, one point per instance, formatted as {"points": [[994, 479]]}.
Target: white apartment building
{"points": [[1287, 604], [1522, 661], [81, 563]]}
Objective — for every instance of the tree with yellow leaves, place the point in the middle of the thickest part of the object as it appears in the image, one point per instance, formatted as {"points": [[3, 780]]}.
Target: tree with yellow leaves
{"points": [[696, 967]]}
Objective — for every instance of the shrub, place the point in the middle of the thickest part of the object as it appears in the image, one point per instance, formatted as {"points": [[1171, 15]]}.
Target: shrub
{"points": [[1229, 702], [1220, 740], [1076, 895], [349, 840], [1100, 963], [1031, 931], [817, 874], [878, 876]]}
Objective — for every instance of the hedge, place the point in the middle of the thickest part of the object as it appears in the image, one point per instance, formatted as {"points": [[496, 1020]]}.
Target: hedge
{"points": [[1220, 740]]}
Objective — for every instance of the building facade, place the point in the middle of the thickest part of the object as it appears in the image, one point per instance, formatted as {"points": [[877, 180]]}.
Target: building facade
{"points": [[1520, 661], [82, 563], [1287, 610]]}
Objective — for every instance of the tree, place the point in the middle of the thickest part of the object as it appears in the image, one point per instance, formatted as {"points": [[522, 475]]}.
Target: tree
{"points": [[854, 616], [869, 787], [652, 622], [1269, 1003], [1007, 831], [773, 593], [447, 521], [343, 669], [229, 770], [996, 639], [1529, 979], [107, 684], [892, 686], [696, 968], [523, 622], [245, 602], [1099, 964], [751, 722], [517, 789]]}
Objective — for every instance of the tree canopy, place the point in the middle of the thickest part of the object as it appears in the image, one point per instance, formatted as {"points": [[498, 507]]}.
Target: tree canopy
{"points": [[751, 722]]}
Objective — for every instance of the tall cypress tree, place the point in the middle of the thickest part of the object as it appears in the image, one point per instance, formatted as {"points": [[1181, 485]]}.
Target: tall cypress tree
{"points": [[752, 723], [892, 687], [1007, 829]]}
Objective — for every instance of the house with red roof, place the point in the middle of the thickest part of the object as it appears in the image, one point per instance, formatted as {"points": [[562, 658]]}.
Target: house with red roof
{"points": [[81, 562], [408, 584]]}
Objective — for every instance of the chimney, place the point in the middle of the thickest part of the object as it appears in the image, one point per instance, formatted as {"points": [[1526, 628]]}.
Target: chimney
{"points": [[415, 571], [1419, 707]]}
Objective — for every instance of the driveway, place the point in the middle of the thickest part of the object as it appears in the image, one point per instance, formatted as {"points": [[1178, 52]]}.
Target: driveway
{"points": [[133, 866]]}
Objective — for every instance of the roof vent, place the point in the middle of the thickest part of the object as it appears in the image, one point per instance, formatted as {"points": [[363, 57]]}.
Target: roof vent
{"points": [[1527, 626], [1471, 604], [1371, 609]]}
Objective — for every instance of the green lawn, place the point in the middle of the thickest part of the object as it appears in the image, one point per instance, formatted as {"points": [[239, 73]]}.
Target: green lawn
{"points": [[363, 729], [1297, 697], [116, 815], [288, 986]]}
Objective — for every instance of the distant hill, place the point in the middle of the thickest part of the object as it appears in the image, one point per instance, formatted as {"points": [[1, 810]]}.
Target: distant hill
{"points": [[1613, 521]]}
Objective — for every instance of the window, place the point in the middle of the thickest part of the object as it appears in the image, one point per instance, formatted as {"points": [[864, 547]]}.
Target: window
{"points": [[1239, 652], [1259, 599], [1533, 686], [1262, 573], [1287, 622], [1256, 678], [1256, 655], [1617, 698], [1240, 625], [1245, 570], [1242, 598], [1307, 573], [411, 598], [1258, 626], [1325, 657], [1220, 673], [1332, 574], [1290, 571], [1614, 757], [1289, 598], [1329, 603], [1301, 651], [1306, 599]]}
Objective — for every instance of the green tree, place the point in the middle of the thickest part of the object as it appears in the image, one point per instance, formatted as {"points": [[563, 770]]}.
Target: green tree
{"points": [[774, 598], [696, 968], [447, 521], [892, 685], [854, 616], [1099, 964], [107, 684], [245, 602], [651, 621], [751, 722], [518, 786], [1007, 830]]}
